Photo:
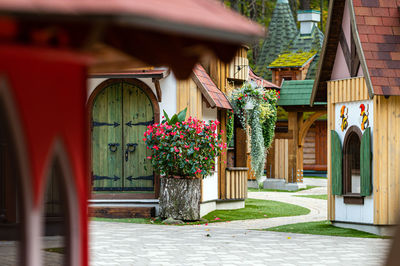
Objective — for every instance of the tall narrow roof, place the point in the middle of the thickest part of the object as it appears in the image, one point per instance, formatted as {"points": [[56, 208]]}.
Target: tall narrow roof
{"points": [[309, 42], [282, 28]]}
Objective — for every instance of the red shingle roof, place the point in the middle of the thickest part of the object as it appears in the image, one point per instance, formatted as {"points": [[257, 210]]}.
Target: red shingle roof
{"points": [[378, 24], [262, 82], [210, 91]]}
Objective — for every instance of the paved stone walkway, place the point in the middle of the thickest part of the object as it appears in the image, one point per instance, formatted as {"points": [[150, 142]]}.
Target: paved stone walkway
{"points": [[141, 244], [232, 243]]}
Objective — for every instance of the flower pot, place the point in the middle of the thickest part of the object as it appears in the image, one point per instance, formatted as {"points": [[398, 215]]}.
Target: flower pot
{"points": [[180, 198]]}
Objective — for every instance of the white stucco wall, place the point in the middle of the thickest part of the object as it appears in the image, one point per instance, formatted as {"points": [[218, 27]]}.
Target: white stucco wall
{"points": [[168, 89], [210, 183], [351, 212]]}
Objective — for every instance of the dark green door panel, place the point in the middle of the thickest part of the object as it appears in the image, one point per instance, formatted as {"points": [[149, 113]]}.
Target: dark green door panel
{"points": [[107, 139], [137, 114], [120, 115]]}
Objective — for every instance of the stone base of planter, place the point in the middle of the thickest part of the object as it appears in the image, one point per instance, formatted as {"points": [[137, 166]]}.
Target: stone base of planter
{"points": [[180, 199]]}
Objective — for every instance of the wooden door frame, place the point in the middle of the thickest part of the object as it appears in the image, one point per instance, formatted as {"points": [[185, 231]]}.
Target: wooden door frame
{"points": [[156, 111]]}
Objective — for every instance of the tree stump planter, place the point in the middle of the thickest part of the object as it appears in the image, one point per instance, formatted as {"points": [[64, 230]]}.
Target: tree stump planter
{"points": [[180, 198]]}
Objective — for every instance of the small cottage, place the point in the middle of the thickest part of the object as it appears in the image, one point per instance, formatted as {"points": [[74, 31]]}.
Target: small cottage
{"points": [[358, 77], [122, 103], [44, 166]]}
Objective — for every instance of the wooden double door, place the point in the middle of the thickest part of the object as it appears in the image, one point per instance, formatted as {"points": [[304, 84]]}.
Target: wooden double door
{"points": [[121, 113]]}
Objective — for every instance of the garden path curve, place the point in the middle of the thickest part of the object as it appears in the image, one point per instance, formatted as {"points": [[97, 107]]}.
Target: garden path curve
{"points": [[317, 207]]}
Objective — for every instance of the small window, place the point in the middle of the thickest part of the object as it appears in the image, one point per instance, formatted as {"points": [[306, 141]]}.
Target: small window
{"points": [[351, 164]]}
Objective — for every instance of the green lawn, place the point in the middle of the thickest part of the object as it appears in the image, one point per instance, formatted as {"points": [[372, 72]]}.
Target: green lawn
{"points": [[323, 197], [320, 177], [277, 190], [321, 228], [254, 209], [257, 209]]}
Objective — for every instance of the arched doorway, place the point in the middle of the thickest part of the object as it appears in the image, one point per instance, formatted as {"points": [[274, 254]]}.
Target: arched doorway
{"points": [[121, 110]]}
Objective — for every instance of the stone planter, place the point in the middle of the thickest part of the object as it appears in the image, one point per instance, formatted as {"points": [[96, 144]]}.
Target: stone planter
{"points": [[180, 198]]}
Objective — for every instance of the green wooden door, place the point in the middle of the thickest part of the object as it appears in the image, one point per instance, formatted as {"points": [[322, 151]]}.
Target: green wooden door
{"points": [[120, 115], [138, 114], [107, 139]]}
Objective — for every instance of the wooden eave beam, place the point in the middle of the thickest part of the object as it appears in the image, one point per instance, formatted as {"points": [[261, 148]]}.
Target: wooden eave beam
{"points": [[156, 82]]}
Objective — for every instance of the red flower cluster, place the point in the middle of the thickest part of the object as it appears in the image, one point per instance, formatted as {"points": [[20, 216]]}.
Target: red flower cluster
{"points": [[186, 149]]}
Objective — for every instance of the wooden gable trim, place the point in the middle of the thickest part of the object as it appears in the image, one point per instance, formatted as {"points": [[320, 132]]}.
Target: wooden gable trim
{"points": [[156, 82], [345, 49], [335, 14], [329, 48], [210, 101], [355, 58], [359, 49]]}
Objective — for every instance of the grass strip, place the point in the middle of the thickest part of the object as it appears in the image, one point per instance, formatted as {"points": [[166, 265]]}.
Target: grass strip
{"points": [[254, 209], [322, 197], [55, 250], [319, 177], [250, 189], [321, 228]]}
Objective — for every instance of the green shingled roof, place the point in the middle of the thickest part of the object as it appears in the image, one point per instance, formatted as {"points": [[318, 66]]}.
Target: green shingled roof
{"points": [[296, 92], [282, 28], [297, 59], [309, 42]]}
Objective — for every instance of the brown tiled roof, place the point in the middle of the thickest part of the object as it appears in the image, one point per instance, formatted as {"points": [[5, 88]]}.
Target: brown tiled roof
{"points": [[262, 82], [378, 27], [210, 91], [378, 24]]}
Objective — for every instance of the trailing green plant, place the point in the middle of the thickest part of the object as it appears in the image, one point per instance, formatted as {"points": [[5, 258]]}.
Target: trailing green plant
{"points": [[255, 107], [229, 127], [185, 149], [269, 116]]}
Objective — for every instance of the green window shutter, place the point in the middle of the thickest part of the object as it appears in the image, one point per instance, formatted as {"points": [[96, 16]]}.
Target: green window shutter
{"points": [[336, 163], [365, 163]]}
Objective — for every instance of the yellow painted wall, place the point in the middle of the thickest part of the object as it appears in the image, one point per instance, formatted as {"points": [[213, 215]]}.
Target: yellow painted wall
{"points": [[189, 96]]}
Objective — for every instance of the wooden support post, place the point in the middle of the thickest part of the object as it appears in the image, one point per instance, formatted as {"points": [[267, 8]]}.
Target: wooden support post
{"points": [[293, 144], [223, 157]]}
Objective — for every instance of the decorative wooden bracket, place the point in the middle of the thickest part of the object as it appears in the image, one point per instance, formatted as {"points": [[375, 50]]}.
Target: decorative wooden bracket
{"points": [[307, 124], [156, 82]]}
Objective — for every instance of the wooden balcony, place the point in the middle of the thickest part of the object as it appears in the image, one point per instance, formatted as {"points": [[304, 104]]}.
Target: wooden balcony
{"points": [[236, 182]]}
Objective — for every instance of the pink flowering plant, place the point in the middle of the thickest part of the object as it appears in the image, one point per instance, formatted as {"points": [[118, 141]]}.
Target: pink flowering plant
{"points": [[185, 149]]}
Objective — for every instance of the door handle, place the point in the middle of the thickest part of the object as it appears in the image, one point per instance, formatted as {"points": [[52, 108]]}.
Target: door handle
{"points": [[113, 146], [130, 147]]}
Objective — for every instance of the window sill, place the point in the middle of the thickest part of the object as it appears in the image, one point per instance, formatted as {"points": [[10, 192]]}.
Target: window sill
{"points": [[353, 199]]}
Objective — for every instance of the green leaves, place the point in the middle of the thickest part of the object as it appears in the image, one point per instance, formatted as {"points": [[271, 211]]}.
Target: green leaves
{"points": [[176, 118], [186, 149]]}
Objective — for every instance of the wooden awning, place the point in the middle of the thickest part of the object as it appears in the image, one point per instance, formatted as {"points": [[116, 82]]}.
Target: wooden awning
{"points": [[174, 33], [214, 96]]}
